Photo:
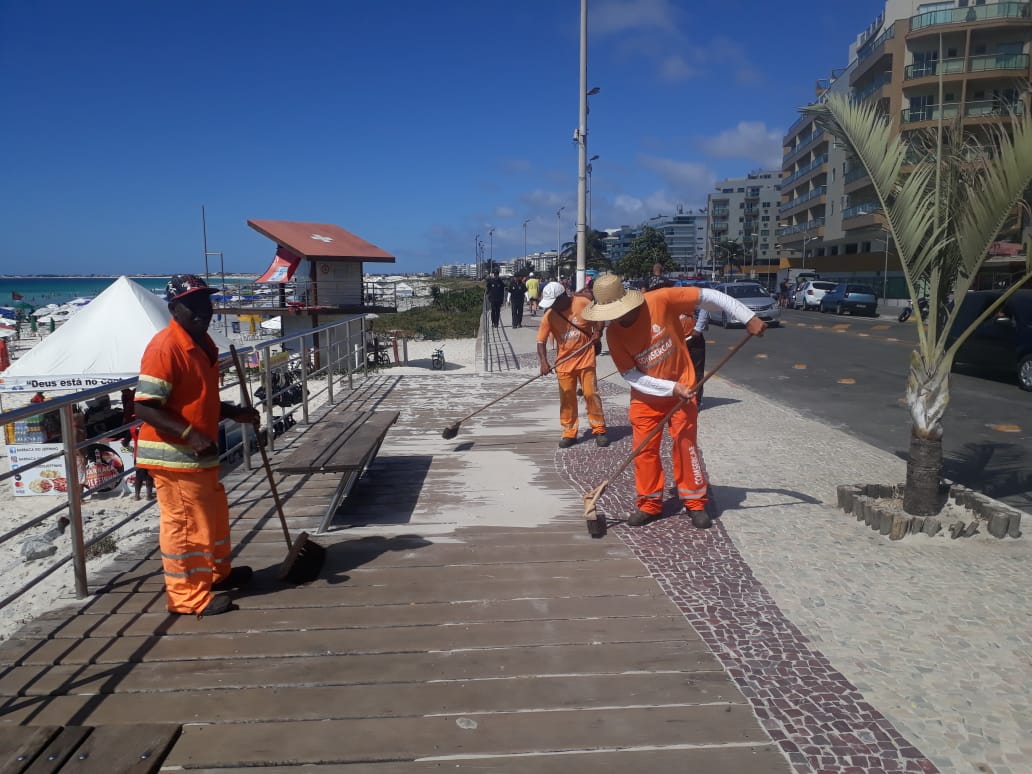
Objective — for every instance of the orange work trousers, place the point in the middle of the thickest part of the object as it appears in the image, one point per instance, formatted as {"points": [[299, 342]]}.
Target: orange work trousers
{"points": [[568, 401], [648, 465], [194, 535]]}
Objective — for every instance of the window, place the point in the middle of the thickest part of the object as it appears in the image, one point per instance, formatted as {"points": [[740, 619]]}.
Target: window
{"points": [[833, 250]]}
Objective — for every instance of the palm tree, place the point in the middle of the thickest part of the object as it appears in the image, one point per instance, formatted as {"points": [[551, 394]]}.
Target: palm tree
{"points": [[733, 251], [595, 254], [945, 196]]}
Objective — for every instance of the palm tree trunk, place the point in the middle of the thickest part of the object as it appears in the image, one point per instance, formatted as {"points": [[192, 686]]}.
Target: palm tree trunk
{"points": [[923, 495]]}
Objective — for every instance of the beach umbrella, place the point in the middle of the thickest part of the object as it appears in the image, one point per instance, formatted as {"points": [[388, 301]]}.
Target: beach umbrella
{"points": [[273, 324], [6, 333], [45, 310]]}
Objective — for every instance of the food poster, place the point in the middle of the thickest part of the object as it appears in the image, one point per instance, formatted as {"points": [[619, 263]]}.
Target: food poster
{"points": [[102, 461]]}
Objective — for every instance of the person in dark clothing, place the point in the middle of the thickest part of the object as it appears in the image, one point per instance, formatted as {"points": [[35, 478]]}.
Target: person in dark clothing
{"points": [[517, 297], [495, 297]]}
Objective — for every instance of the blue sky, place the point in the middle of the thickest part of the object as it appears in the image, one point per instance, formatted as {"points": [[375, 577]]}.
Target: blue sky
{"points": [[414, 124]]}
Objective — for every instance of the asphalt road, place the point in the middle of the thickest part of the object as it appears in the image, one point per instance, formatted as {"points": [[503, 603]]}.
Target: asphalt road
{"points": [[850, 373]]}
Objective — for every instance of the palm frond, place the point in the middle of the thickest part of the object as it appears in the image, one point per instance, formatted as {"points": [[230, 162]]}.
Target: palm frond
{"points": [[998, 186]]}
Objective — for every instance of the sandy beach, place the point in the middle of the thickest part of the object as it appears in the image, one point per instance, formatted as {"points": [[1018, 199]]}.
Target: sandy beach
{"points": [[101, 512]]}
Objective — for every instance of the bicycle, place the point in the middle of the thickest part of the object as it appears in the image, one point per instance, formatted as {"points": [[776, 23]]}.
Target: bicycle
{"points": [[437, 358]]}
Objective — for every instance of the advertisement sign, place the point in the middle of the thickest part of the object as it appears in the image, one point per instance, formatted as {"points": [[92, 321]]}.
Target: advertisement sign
{"points": [[102, 461]]}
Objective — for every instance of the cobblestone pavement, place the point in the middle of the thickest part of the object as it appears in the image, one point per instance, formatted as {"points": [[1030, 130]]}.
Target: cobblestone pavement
{"points": [[858, 654]]}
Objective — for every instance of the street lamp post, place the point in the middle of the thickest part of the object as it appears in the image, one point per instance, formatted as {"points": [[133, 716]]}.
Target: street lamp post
{"points": [[222, 273], [490, 260], [525, 239], [806, 239], [476, 256], [593, 158], [885, 274], [558, 236]]}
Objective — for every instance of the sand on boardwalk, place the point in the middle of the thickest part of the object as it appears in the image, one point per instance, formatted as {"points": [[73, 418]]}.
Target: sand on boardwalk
{"points": [[101, 512]]}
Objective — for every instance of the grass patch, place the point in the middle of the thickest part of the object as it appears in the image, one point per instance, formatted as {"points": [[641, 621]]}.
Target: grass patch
{"points": [[454, 313]]}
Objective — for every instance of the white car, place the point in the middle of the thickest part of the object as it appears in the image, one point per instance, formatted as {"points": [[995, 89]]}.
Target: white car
{"points": [[809, 294], [753, 296]]}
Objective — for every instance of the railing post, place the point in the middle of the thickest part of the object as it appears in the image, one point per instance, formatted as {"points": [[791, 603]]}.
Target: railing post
{"points": [[304, 380], [330, 365], [71, 454], [267, 381], [245, 429]]}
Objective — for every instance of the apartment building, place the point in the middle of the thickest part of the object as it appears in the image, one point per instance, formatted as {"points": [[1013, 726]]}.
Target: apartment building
{"points": [[975, 53], [683, 232], [745, 210]]}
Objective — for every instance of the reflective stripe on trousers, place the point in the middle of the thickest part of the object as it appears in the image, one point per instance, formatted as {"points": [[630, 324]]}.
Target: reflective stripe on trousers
{"points": [[194, 536], [568, 409], [689, 472]]}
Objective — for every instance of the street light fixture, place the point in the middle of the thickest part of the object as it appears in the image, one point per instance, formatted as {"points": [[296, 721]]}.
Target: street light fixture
{"points": [[802, 262], [476, 256], [525, 239]]}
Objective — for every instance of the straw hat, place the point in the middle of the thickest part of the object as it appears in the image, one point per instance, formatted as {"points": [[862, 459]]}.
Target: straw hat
{"points": [[612, 300]]}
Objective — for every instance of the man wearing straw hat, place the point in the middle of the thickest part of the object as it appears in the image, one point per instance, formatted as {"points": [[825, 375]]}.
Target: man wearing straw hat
{"points": [[647, 347]]}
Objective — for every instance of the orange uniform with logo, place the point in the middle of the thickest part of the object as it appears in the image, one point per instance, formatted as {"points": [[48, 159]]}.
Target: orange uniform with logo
{"points": [[183, 377], [570, 335], [654, 345]]}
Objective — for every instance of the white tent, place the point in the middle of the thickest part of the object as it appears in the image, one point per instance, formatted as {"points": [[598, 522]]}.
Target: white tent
{"points": [[273, 324], [101, 343]]}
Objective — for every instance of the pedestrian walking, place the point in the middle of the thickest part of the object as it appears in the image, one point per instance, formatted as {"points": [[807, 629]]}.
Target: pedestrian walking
{"points": [[517, 298], [645, 342], [533, 293], [495, 297], [177, 399], [563, 321]]}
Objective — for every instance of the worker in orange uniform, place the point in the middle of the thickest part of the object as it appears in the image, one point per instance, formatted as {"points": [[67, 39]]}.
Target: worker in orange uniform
{"points": [[178, 401], [646, 344], [562, 321]]}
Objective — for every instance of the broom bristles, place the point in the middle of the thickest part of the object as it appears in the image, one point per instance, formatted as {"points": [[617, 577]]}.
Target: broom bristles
{"points": [[450, 431], [304, 562]]}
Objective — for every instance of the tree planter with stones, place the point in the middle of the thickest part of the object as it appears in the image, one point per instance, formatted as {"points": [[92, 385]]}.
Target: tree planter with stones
{"points": [[964, 512]]}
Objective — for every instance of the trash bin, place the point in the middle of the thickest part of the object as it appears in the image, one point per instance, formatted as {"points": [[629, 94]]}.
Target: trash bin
{"points": [[236, 326]]}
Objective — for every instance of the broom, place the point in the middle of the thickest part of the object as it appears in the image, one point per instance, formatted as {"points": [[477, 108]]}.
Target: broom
{"points": [[305, 558], [596, 522], [452, 430]]}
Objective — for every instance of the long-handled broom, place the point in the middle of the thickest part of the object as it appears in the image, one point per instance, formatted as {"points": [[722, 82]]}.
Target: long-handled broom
{"points": [[596, 522], [305, 558], [453, 429]]}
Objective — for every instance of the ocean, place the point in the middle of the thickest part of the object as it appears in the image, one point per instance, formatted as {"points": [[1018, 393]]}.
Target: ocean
{"points": [[40, 291]]}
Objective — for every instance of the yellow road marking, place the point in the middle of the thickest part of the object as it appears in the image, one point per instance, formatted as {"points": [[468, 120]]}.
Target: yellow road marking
{"points": [[760, 356], [880, 327], [1005, 428], [800, 366], [841, 326], [847, 380]]}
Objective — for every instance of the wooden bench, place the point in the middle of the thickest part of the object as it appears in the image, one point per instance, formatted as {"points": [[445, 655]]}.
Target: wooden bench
{"points": [[344, 443]]}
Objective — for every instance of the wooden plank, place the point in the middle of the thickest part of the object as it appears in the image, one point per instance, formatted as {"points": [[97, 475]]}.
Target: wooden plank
{"points": [[318, 444], [211, 644], [131, 749], [20, 745], [392, 668], [352, 741], [762, 759], [271, 619], [324, 702], [59, 750]]}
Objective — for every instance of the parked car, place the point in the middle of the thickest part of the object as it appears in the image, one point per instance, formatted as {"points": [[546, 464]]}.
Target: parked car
{"points": [[808, 295], [847, 297], [754, 296], [1004, 341]]}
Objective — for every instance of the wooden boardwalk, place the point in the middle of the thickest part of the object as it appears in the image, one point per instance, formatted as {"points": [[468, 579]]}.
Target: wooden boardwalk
{"points": [[443, 634]]}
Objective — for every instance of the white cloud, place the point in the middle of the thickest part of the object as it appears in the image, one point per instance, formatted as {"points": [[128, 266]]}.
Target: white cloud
{"points": [[687, 178], [751, 140], [619, 16], [675, 68], [504, 212]]}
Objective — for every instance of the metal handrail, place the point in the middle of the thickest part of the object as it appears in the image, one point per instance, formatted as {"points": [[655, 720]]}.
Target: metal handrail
{"points": [[340, 355]]}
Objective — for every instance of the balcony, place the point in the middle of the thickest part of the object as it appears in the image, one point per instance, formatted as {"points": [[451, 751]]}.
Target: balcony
{"points": [[801, 228], [868, 49], [799, 173], [853, 175], [804, 143], [873, 87], [860, 210], [975, 64], [983, 108], [791, 205], [973, 13], [717, 212]]}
